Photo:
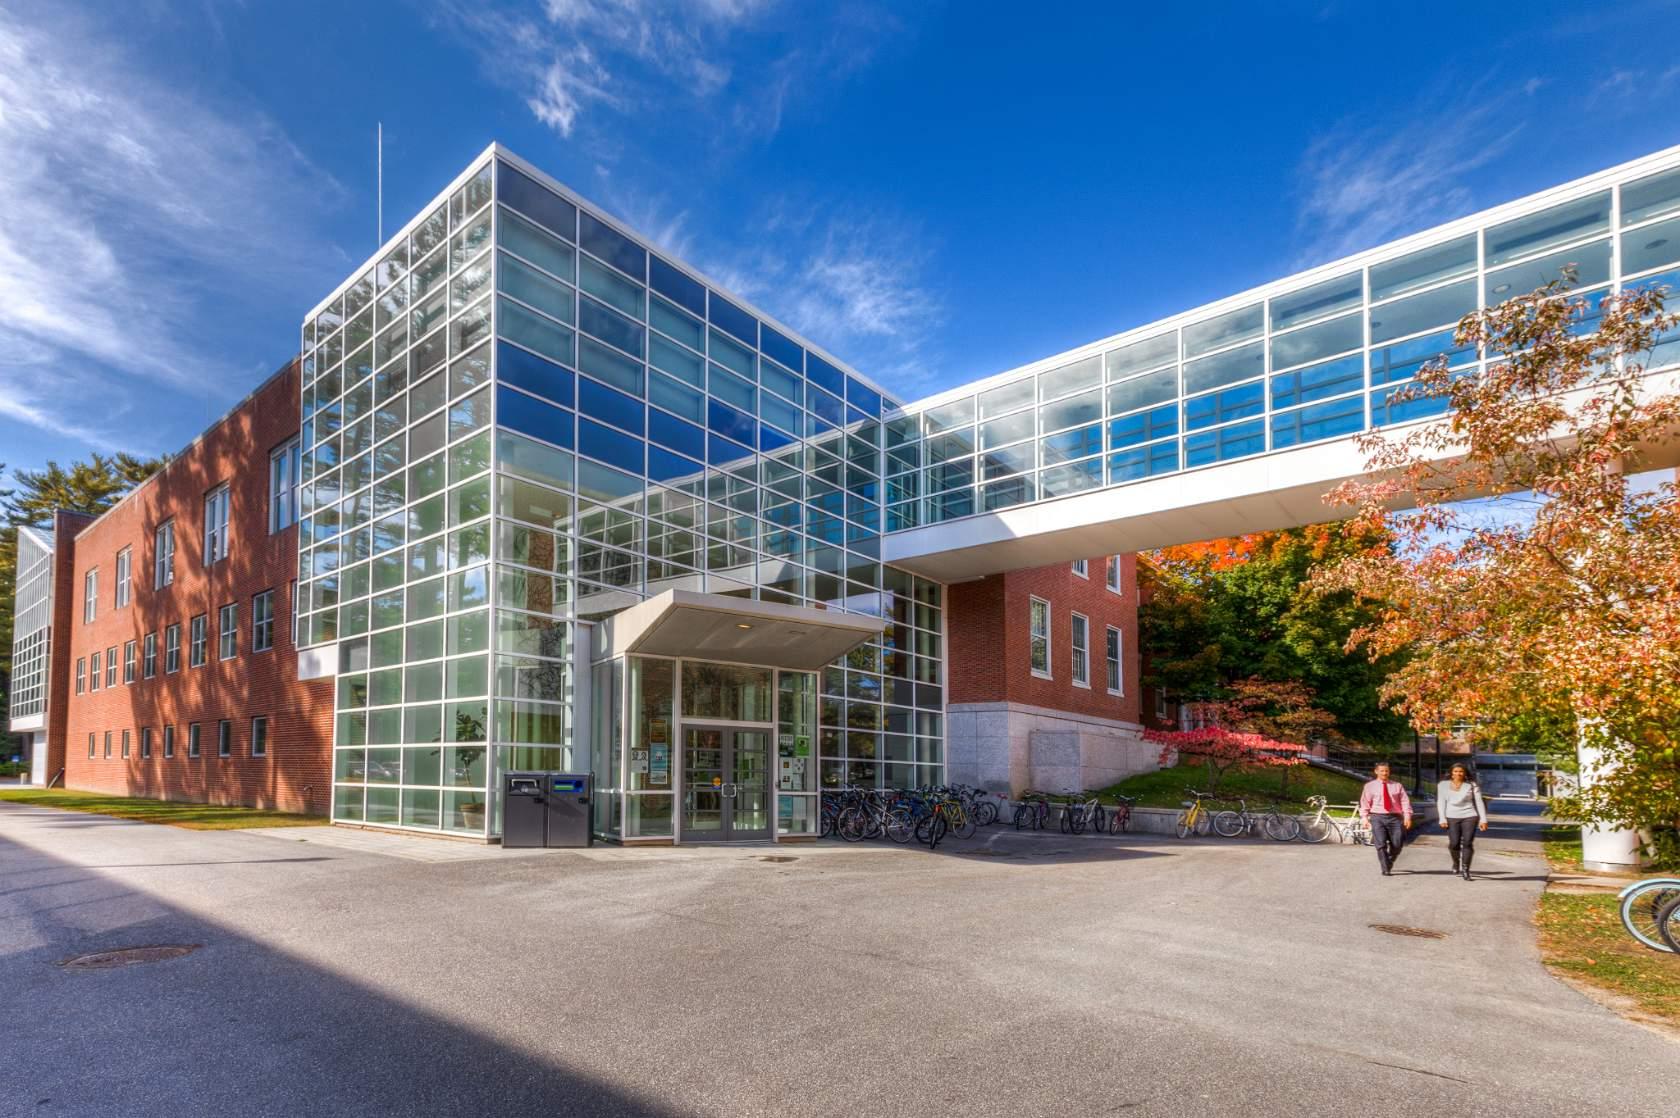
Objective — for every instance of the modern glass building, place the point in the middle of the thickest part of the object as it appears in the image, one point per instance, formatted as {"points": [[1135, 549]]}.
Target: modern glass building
{"points": [[567, 504], [519, 421]]}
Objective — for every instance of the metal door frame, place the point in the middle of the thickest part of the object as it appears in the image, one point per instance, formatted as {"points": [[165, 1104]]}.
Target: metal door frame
{"points": [[729, 730]]}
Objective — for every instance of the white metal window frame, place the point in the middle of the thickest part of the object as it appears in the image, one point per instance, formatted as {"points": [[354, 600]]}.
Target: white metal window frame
{"points": [[1082, 568], [259, 741], [163, 555], [125, 569], [1114, 580], [198, 641], [1035, 638], [224, 737], [195, 740], [227, 631], [1079, 640], [284, 475], [262, 621], [90, 596], [217, 507], [1114, 650]]}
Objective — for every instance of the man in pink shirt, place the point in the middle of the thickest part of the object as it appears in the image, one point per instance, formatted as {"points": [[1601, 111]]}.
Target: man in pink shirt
{"points": [[1385, 806]]}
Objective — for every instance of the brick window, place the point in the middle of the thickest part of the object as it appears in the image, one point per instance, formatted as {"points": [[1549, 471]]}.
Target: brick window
{"points": [[1080, 634], [227, 631], [224, 738], [172, 648], [193, 744], [145, 742], [81, 674], [1038, 640], [96, 663], [262, 621], [283, 475], [163, 555], [125, 745], [107, 745], [200, 639], [125, 568], [259, 737], [91, 750], [1114, 573], [1116, 683], [168, 741], [90, 596], [216, 504], [129, 650], [111, 666], [1082, 568], [149, 658]]}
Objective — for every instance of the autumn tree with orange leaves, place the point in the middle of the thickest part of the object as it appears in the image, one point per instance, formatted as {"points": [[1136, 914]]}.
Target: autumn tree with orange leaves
{"points": [[1569, 596]]}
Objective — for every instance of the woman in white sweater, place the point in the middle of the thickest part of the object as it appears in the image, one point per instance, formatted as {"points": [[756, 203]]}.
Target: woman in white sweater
{"points": [[1458, 803]]}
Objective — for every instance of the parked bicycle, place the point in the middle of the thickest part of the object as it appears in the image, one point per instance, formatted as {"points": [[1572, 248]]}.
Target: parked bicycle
{"points": [[1196, 818], [1321, 825], [1032, 811], [1077, 814], [1274, 823], [1120, 815], [1650, 911]]}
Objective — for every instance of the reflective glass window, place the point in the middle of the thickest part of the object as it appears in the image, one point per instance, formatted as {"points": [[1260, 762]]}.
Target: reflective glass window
{"points": [[1235, 441], [1075, 477], [1424, 267], [1070, 378], [1404, 359], [1310, 343], [1142, 427], [530, 286], [610, 446], [528, 371], [1006, 398], [668, 318], [1442, 306], [1011, 428], [1651, 247], [1534, 232], [1232, 365], [533, 331], [780, 348], [1226, 329], [1651, 197], [822, 373], [1136, 357], [1321, 421], [519, 236], [1084, 408], [610, 326], [609, 365], [1140, 392], [601, 239], [611, 288], [520, 412], [609, 406], [1590, 262], [1222, 407], [1318, 382], [1143, 461], [1318, 301], [677, 285], [736, 321]]}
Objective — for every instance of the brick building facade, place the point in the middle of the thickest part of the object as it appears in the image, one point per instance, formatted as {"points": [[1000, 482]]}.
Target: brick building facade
{"points": [[1043, 685], [188, 584]]}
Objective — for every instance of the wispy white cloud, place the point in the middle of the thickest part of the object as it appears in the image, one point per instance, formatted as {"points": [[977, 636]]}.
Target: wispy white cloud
{"points": [[122, 202], [1365, 182]]}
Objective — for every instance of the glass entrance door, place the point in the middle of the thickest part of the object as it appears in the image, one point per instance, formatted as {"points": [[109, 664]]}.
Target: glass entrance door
{"points": [[726, 784]]}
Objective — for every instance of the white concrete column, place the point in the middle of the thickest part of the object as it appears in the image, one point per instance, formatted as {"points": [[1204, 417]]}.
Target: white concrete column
{"points": [[1603, 848]]}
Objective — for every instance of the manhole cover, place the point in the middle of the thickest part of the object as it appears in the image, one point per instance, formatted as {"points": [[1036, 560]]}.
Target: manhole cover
{"points": [[129, 956], [777, 858], [1403, 930]]}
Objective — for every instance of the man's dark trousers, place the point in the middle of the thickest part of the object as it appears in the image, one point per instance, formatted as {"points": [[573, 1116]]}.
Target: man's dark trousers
{"points": [[1388, 834]]}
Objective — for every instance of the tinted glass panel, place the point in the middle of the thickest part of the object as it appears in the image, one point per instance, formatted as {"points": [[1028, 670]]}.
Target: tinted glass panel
{"points": [[1317, 301], [1156, 458], [1142, 427], [728, 316], [611, 288], [609, 406], [781, 348], [1070, 378], [821, 372], [1230, 327], [1591, 264], [1432, 308], [1318, 382], [520, 412], [526, 370], [530, 286], [1321, 421], [1142, 391], [611, 447], [610, 245], [1567, 222], [609, 326], [1313, 342], [1138, 356], [1651, 247], [1237, 364], [1424, 267], [1235, 441], [534, 332], [1083, 408], [518, 235], [1006, 398], [676, 434], [1651, 197], [1221, 407], [670, 281], [538, 203]]}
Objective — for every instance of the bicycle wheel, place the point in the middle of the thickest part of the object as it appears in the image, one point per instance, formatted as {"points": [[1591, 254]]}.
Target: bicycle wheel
{"points": [[852, 824], [1204, 823], [1099, 819], [964, 826], [1067, 819], [901, 826], [1642, 906], [936, 831], [985, 813], [1316, 829], [1281, 828], [1184, 825], [1023, 816], [1668, 925], [1228, 824], [1120, 819]]}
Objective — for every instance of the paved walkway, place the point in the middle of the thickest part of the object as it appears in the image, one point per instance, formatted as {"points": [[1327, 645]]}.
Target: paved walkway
{"points": [[1018, 974]]}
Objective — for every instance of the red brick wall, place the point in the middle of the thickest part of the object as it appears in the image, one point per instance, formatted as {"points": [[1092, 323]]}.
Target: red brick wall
{"points": [[295, 776], [988, 629]]}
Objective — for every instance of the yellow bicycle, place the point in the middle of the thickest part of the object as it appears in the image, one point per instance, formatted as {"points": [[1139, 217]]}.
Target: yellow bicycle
{"points": [[1195, 819]]}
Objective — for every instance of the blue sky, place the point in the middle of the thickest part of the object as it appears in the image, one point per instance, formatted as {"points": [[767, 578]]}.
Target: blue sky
{"points": [[934, 192]]}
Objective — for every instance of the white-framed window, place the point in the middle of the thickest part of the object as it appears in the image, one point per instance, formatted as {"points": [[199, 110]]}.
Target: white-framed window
{"points": [[194, 745], [227, 631], [1038, 639], [125, 568], [107, 745], [216, 525], [168, 741], [125, 744], [262, 621], [224, 738], [294, 601], [96, 662], [81, 675], [1114, 574], [130, 648], [259, 737], [1116, 680], [111, 666], [172, 648], [199, 640], [284, 472], [145, 742], [1080, 630], [163, 555], [90, 596], [148, 657], [1082, 568], [91, 749]]}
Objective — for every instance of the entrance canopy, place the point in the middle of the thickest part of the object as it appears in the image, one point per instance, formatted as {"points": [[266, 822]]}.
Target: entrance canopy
{"points": [[735, 630]]}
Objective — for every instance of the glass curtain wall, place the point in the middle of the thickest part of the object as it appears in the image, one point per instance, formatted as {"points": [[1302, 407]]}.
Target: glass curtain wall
{"points": [[1315, 361], [521, 418], [31, 627]]}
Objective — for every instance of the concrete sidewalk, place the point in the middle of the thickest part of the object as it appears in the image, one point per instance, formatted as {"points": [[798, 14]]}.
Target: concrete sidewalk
{"points": [[1033, 974]]}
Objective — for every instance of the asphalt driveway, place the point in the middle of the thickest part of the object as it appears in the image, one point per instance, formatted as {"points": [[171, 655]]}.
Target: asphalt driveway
{"points": [[342, 973]]}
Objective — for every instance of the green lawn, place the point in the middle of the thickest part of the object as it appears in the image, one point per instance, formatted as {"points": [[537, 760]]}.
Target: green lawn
{"points": [[195, 817], [1258, 785], [1581, 935]]}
